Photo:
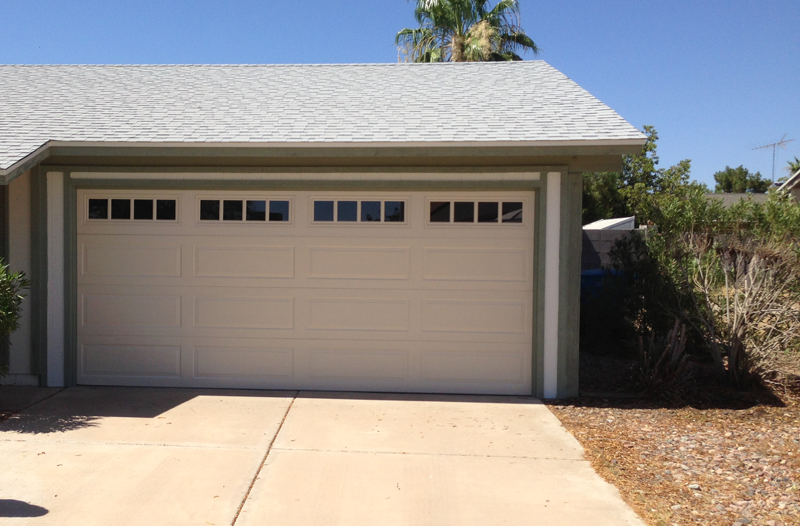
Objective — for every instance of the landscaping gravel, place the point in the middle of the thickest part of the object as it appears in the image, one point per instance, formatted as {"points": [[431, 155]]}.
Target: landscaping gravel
{"points": [[694, 466]]}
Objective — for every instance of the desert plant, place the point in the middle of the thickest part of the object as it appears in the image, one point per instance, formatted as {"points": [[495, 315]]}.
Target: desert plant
{"points": [[11, 286], [748, 305], [663, 368]]}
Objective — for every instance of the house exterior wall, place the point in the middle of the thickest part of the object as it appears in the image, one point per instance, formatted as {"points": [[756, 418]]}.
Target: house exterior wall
{"points": [[21, 363]]}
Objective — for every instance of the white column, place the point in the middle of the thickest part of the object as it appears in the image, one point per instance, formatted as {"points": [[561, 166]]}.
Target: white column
{"points": [[551, 283], [55, 279]]}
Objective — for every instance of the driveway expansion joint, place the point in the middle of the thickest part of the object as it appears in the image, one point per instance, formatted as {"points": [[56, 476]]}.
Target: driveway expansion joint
{"points": [[422, 453], [264, 460], [134, 444]]}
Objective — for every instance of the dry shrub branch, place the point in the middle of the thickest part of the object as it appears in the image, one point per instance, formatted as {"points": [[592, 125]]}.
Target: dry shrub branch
{"points": [[747, 304]]}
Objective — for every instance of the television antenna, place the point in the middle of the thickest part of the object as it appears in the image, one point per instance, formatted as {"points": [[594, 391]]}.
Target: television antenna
{"points": [[774, 146]]}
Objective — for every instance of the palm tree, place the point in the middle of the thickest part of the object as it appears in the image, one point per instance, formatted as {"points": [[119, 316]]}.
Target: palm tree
{"points": [[465, 31], [794, 165]]}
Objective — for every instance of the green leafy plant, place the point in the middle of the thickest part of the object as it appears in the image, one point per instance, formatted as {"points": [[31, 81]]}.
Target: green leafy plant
{"points": [[11, 286], [730, 274]]}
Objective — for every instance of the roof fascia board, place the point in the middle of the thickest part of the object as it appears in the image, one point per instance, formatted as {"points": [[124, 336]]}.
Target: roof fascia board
{"points": [[221, 149], [24, 164], [444, 175], [350, 144], [790, 182]]}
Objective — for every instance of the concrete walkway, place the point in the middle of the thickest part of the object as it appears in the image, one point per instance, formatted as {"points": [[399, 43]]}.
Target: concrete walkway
{"points": [[135, 456]]}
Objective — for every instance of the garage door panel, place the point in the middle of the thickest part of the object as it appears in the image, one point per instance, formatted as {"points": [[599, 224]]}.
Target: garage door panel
{"points": [[110, 359], [130, 310], [476, 264], [359, 263], [243, 312], [444, 315], [243, 362], [358, 314], [244, 261], [369, 364], [131, 259], [474, 366]]}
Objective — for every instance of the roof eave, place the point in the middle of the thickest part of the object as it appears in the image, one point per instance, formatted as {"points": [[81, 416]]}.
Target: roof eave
{"points": [[613, 147], [791, 182]]}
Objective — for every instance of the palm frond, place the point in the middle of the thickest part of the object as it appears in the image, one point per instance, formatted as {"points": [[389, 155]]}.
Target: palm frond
{"points": [[514, 42], [465, 30]]}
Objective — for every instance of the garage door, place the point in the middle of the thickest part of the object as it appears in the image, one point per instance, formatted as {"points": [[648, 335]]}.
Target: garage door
{"points": [[414, 292]]}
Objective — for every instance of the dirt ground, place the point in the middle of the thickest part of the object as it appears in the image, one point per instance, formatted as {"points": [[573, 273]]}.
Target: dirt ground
{"points": [[720, 460]]}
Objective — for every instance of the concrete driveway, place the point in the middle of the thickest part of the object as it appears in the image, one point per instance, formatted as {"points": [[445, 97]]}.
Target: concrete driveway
{"points": [[121, 456]]}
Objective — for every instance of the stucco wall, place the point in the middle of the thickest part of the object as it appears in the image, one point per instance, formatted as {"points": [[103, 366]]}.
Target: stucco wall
{"points": [[19, 259]]}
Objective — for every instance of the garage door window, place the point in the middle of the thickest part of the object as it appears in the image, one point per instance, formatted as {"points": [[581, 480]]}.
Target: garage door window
{"points": [[132, 209], [487, 212], [352, 211], [241, 210]]}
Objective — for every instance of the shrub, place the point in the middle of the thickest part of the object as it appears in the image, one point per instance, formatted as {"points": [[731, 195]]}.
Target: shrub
{"points": [[663, 370], [747, 305], [731, 275], [11, 287]]}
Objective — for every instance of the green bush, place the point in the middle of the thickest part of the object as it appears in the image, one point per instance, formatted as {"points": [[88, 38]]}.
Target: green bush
{"points": [[11, 286], [731, 275]]}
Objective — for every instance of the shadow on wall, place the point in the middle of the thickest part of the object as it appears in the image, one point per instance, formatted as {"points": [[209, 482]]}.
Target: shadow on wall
{"points": [[18, 509]]}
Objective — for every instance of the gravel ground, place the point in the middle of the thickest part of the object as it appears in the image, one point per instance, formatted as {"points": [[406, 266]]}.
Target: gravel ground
{"points": [[710, 465]]}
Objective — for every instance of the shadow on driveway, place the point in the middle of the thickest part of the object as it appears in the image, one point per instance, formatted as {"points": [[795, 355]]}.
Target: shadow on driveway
{"points": [[43, 423], [18, 509], [82, 407]]}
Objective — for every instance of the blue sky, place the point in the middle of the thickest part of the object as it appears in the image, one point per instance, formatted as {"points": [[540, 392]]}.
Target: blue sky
{"points": [[715, 77]]}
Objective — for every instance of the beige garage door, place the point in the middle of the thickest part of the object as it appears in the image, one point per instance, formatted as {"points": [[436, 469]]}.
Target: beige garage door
{"points": [[420, 292]]}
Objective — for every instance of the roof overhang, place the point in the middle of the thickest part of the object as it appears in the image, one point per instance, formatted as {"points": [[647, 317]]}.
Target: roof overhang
{"points": [[791, 182], [603, 155]]}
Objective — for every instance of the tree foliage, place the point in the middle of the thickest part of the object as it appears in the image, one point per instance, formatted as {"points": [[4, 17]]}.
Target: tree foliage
{"points": [[637, 189], [730, 274], [739, 181], [465, 31], [793, 166]]}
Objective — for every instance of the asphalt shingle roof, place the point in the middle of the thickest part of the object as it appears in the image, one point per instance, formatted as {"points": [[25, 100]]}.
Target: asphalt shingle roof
{"points": [[359, 103]]}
